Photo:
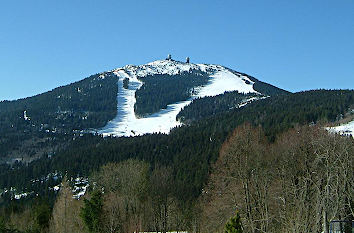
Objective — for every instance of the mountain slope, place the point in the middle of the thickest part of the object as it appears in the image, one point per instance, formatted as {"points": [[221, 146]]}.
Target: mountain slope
{"points": [[128, 101], [188, 150], [42, 124], [158, 88], [151, 96], [75, 106], [149, 99]]}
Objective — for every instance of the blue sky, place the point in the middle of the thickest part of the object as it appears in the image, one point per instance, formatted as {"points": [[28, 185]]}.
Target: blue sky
{"points": [[295, 45]]}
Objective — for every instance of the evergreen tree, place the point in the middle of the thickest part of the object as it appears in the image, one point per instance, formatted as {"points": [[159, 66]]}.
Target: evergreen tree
{"points": [[92, 211], [234, 225], [2, 224], [42, 217]]}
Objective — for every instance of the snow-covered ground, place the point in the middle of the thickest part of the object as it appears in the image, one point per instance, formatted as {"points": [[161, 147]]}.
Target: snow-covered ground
{"points": [[346, 129], [127, 124], [20, 195], [250, 100], [80, 187]]}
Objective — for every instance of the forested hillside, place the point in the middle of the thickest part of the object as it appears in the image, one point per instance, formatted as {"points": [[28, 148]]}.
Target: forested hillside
{"points": [[185, 157], [160, 90], [79, 105], [209, 106], [189, 150], [43, 124], [277, 165]]}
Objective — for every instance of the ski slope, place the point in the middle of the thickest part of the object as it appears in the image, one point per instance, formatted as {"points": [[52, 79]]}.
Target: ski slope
{"points": [[346, 129], [126, 123]]}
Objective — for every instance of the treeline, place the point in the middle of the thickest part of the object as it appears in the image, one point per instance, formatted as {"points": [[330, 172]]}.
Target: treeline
{"points": [[160, 90]]}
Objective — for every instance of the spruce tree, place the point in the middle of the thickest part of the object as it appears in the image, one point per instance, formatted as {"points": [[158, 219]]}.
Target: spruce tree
{"points": [[2, 224], [42, 216], [92, 211], [234, 225]]}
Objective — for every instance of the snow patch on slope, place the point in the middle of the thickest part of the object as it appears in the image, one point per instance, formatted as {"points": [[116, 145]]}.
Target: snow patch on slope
{"points": [[346, 129], [225, 81], [127, 124], [250, 100]]}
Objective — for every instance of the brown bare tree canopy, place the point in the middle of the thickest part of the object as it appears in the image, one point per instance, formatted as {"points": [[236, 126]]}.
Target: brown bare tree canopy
{"points": [[298, 184]]}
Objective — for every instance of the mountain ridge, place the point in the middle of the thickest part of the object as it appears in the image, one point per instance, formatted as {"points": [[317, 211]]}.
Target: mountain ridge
{"points": [[217, 80], [89, 105], [75, 104], [43, 154]]}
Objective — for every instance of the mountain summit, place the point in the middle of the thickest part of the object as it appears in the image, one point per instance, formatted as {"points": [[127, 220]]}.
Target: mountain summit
{"points": [[128, 101], [175, 84], [132, 100]]}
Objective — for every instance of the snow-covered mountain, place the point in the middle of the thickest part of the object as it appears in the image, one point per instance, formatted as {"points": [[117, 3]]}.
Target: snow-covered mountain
{"points": [[127, 123], [127, 101]]}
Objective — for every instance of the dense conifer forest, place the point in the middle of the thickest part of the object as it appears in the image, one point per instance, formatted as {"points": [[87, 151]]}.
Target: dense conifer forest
{"points": [[209, 106], [186, 157], [45, 123], [196, 145], [79, 105], [160, 90], [275, 115]]}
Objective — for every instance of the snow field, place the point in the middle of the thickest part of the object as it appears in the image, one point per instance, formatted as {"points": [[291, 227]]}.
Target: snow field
{"points": [[346, 129], [127, 124]]}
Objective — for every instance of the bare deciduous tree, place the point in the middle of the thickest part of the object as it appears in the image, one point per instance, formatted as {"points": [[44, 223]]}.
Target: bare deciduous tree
{"points": [[241, 181], [65, 216], [126, 191], [298, 184]]}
